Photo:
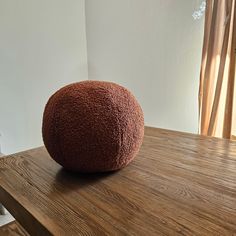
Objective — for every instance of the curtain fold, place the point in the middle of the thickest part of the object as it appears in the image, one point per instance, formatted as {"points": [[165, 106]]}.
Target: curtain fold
{"points": [[216, 90]]}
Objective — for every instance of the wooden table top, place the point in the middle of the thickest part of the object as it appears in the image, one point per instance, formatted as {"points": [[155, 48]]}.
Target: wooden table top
{"points": [[179, 184]]}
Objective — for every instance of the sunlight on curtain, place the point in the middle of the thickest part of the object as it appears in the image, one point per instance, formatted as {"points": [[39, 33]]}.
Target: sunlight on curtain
{"points": [[216, 92]]}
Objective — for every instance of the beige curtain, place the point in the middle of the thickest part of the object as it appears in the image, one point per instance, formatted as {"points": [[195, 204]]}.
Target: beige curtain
{"points": [[217, 99]]}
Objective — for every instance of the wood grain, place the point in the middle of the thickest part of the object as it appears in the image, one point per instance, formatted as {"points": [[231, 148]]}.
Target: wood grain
{"points": [[12, 229], [179, 184]]}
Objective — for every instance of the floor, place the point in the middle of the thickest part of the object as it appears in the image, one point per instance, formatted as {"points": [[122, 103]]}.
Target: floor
{"points": [[4, 219]]}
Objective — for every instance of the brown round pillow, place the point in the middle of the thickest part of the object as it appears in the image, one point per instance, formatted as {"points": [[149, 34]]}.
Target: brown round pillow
{"points": [[93, 126]]}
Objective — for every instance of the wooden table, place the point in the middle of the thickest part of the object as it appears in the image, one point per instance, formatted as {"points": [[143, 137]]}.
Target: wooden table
{"points": [[179, 184]]}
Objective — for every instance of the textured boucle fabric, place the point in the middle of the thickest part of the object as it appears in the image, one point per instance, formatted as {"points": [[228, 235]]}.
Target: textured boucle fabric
{"points": [[93, 126]]}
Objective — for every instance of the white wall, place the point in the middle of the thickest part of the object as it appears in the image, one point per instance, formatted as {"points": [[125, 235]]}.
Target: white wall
{"points": [[42, 47], [153, 47]]}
